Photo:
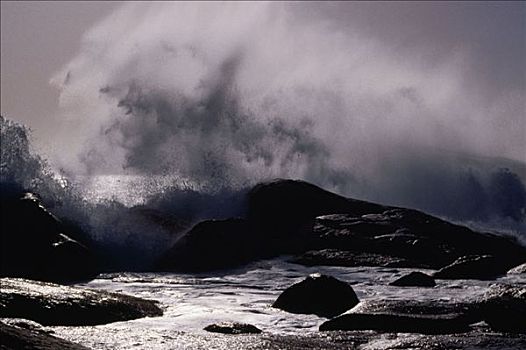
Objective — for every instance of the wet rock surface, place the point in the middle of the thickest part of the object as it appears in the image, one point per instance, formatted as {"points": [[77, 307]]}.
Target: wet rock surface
{"points": [[521, 269], [17, 338], [335, 257], [414, 279], [232, 328], [318, 294], [52, 304], [473, 267], [35, 243], [504, 308]]}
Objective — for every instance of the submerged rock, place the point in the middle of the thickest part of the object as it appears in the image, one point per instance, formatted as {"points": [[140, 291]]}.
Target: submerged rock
{"points": [[35, 245], [321, 295], [17, 338], [414, 279], [473, 267], [232, 328], [53, 305]]}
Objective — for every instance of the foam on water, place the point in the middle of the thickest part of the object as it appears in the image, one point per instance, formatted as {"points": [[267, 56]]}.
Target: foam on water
{"points": [[191, 302]]}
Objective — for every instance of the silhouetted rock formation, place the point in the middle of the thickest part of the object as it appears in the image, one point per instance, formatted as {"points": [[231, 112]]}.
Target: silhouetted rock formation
{"points": [[414, 279], [336, 257], [210, 245], [17, 338], [56, 305], [35, 246], [232, 328], [318, 294], [483, 267], [284, 217]]}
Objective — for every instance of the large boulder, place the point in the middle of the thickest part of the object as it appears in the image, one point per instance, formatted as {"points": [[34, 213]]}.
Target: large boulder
{"points": [[56, 305], [35, 244], [289, 206], [211, 245], [414, 279], [321, 295], [483, 267], [504, 308]]}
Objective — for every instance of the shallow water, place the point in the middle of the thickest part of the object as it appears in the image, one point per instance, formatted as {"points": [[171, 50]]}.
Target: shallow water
{"points": [[191, 302]]}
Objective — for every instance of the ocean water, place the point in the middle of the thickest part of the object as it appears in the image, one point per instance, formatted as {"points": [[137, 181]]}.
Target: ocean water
{"points": [[193, 301]]}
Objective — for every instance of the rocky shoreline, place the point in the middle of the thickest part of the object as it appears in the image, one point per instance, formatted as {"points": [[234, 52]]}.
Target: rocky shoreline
{"points": [[316, 227]]}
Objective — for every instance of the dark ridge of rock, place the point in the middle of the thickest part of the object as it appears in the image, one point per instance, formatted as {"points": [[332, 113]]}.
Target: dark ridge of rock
{"points": [[232, 328], [520, 269], [422, 240], [335, 257], [414, 279], [321, 295], [56, 305], [504, 308], [35, 246], [485, 267], [288, 206], [396, 323], [17, 338], [284, 218], [212, 245]]}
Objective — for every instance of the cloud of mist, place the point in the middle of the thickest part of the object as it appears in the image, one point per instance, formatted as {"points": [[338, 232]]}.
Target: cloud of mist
{"points": [[228, 94]]}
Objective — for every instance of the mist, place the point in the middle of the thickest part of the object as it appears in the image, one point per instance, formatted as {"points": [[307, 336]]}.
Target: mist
{"points": [[225, 95]]}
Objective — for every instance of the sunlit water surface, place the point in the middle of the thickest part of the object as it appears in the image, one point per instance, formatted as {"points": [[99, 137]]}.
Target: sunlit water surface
{"points": [[191, 302]]}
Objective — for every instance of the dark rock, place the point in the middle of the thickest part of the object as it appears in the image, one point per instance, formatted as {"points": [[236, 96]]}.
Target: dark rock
{"points": [[35, 246], [335, 257], [421, 240], [284, 218], [287, 206], [396, 323], [51, 304], [473, 267], [211, 245], [232, 328], [17, 338], [521, 269], [414, 279], [504, 308], [468, 311], [318, 294]]}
